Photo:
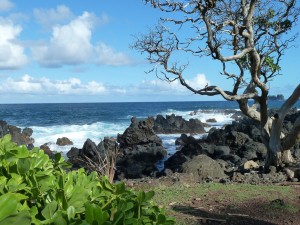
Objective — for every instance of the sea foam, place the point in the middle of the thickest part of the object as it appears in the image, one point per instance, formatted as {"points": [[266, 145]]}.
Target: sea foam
{"points": [[78, 134]]}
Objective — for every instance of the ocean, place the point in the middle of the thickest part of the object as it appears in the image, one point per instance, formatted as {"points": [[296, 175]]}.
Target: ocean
{"points": [[79, 121]]}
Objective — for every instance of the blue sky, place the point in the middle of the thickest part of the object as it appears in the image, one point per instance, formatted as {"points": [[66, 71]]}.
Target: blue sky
{"points": [[78, 51]]}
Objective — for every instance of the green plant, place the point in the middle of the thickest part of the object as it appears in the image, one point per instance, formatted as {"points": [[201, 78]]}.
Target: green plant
{"points": [[37, 190]]}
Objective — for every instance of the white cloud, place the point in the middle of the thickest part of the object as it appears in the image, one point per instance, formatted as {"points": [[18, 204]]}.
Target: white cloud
{"points": [[43, 86], [70, 44], [31, 85], [6, 5], [158, 86], [11, 52], [198, 82], [51, 17], [107, 56], [18, 17]]}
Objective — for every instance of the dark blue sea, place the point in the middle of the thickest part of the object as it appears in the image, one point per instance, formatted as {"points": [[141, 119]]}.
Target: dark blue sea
{"points": [[79, 121]]}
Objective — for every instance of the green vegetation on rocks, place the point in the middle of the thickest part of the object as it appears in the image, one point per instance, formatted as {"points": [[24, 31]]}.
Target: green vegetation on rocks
{"points": [[37, 190]]}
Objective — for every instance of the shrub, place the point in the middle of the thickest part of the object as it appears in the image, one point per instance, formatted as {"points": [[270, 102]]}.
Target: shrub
{"points": [[37, 190]]}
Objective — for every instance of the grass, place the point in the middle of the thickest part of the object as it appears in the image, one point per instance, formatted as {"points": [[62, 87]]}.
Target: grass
{"points": [[234, 197], [235, 192]]}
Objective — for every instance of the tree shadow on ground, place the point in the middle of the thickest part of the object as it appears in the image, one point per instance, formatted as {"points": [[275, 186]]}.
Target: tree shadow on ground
{"points": [[198, 216]]}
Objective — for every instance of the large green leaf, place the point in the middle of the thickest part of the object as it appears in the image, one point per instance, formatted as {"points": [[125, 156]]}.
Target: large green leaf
{"points": [[95, 215], [49, 210], [21, 218], [22, 152], [8, 205], [24, 165]]}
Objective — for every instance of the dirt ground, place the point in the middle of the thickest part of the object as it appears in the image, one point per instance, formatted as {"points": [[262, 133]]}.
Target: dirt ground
{"points": [[260, 211], [230, 204]]}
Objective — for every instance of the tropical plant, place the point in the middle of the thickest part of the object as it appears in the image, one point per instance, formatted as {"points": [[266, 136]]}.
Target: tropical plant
{"points": [[37, 190]]}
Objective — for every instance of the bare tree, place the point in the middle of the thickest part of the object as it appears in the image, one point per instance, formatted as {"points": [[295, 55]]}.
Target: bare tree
{"points": [[248, 38]]}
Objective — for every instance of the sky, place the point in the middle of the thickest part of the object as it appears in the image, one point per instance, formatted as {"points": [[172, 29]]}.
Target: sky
{"points": [[79, 51]]}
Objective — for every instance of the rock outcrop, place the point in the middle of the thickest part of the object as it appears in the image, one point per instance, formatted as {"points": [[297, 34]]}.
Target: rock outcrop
{"points": [[90, 152], [176, 125], [63, 141], [204, 168], [141, 149], [237, 147], [19, 136]]}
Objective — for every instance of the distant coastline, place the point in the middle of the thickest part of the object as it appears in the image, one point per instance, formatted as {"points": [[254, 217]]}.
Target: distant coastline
{"points": [[278, 97]]}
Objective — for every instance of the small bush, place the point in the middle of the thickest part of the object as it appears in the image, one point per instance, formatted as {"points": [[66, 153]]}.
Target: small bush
{"points": [[37, 190]]}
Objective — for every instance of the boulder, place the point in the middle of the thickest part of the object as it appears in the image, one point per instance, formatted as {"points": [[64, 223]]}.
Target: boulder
{"points": [[89, 149], [216, 136], [47, 150], [108, 146], [297, 174], [175, 162], [211, 120], [232, 159], [250, 165], [91, 153], [236, 139], [73, 153], [172, 124], [20, 137], [63, 141], [139, 161], [139, 132], [253, 151], [221, 150], [27, 131], [141, 149], [203, 167]]}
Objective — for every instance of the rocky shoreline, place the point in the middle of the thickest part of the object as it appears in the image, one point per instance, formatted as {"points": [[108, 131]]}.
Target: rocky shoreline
{"points": [[233, 153]]}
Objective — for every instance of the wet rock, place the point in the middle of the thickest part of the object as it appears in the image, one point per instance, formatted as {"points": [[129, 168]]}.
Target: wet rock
{"points": [[73, 153], [139, 132], [141, 149], [47, 150], [211, 120], [182, 140], [20, 137], [172, 124], [63, 141], [89, 149], [139, 161], [27, 131]]}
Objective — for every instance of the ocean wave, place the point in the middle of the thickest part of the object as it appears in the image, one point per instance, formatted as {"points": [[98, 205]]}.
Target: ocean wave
{"points": [[78, 134], [222, 117]]}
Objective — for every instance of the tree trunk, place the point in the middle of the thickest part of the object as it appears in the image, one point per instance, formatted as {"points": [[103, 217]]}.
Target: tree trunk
{"points": [[278, 159]]}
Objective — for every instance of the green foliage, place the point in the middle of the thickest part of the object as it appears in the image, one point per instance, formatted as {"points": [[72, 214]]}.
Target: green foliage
{"points": [[37, 190], [269, 63]]}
